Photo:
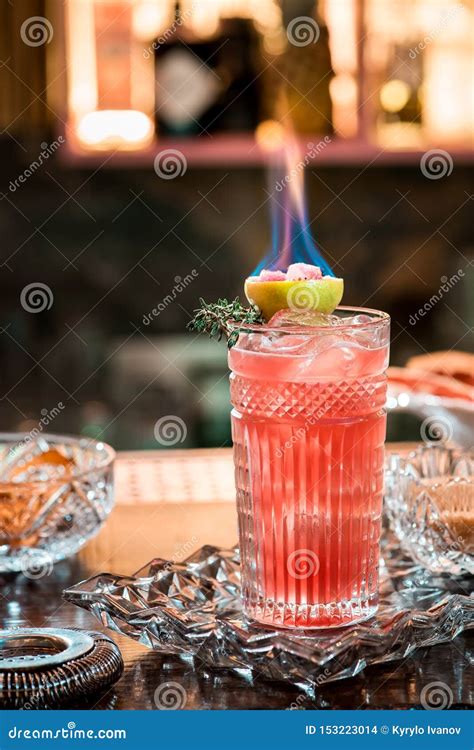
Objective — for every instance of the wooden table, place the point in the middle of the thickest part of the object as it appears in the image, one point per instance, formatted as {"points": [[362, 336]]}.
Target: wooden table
{"points": [[150, 521]]}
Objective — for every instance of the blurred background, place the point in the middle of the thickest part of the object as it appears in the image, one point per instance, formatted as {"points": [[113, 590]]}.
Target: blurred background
{"points": [[135, 142]]}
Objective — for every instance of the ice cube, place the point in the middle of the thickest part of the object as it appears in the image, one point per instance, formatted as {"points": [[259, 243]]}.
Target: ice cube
{"points": [[289, 318], [357, 320], [250, 342], [359, 332], [289, 344], [322, 343], [359, 329]]}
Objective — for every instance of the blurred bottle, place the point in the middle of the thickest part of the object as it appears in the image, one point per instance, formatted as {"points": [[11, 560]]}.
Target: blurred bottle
{"points": [[297, 88], [208, 85], [110, 80]]}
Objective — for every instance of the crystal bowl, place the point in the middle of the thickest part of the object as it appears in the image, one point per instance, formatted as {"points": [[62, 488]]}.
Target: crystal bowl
{"points": [[429, 498], [55, 494]]}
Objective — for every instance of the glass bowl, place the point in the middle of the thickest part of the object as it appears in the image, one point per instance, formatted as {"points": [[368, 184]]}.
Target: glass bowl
{"points": [[429, 499], [55, 494]]}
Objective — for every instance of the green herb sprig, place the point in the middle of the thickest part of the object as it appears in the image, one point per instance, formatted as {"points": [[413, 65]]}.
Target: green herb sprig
{"points": [[218, 319]]}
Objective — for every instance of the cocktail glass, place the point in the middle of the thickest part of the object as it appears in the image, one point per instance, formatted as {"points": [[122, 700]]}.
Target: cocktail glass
{"points": [[308, 426]]}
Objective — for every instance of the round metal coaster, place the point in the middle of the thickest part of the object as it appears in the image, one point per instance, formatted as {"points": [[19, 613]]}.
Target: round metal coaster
{"points": [[46, 667]]}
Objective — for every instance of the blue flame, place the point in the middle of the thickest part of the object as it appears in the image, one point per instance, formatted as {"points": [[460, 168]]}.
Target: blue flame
{"points": [[291, 235]]}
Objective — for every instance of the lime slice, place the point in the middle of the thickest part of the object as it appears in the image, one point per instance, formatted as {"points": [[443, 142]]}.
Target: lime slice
{"points": [[322, 295]]}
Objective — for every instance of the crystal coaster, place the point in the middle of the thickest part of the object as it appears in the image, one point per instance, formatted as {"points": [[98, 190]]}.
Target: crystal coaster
{"points": [[192, 609]]}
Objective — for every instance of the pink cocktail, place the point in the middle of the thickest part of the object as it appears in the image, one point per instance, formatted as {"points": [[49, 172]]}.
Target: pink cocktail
{"points": [[308, 424]]}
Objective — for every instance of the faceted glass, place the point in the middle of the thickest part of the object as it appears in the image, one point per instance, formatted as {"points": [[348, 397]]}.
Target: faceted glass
{"points": [[55, 493], [308, 425], [429, 497]]}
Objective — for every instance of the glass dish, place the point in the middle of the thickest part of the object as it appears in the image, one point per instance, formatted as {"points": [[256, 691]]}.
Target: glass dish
{"points": [[429, 498], [193, 610], [55, 494]]}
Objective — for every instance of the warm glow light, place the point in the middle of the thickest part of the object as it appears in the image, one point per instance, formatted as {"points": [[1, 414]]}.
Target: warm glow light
{"points": [[111, 72], [274, 42], [343, 44], [82, 71], [267, 16], [399, 135], [203, 16], [113, 128], [403, 399], [394, 95], [270, 135], [343, 90], [448, 104], [449, 109], [150, 18], [341, 20], [431, 42]]}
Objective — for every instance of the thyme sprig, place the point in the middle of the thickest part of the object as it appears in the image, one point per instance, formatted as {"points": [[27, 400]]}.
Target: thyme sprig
{"points": [[219, 319]]}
